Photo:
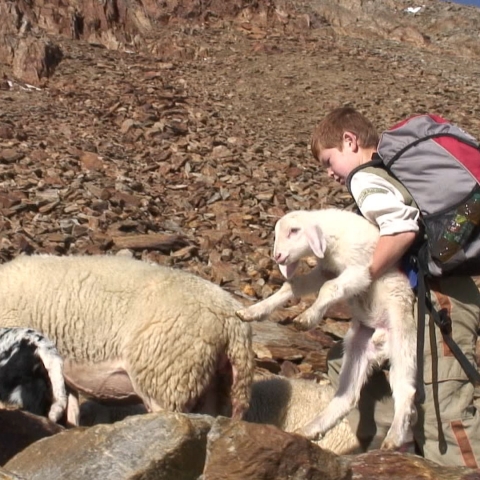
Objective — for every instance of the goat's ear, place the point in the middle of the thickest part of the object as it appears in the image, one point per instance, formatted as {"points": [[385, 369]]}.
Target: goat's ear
{"points": [[316, 240]]}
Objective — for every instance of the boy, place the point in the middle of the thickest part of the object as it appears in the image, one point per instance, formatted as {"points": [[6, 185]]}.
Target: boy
{"points": [[448, 426]]}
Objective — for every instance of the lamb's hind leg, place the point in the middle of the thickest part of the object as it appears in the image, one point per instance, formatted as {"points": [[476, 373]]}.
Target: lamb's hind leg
{"points": [[353, 374], [402, 376], [294, 288]]}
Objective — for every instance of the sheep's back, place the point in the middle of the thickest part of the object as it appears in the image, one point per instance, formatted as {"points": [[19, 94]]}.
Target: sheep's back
{"points": [[71, 300], [94, 306], [188, 310]]}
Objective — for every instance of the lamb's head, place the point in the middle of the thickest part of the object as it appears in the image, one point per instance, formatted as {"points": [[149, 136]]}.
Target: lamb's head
{"points": [[297, 235]]}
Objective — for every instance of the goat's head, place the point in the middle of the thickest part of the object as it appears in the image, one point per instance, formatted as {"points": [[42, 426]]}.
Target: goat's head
{"points": [[297, 235]]}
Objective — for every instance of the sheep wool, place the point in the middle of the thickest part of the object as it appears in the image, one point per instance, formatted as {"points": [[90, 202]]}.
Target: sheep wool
{"points": [[290, 403], [171, 337]]}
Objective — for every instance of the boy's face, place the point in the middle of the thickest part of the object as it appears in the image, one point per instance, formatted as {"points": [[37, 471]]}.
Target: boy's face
{"points": [[340, 163]]}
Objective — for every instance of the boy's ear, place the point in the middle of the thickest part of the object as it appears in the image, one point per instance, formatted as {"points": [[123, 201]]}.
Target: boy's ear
{"points": [[350, 141]]}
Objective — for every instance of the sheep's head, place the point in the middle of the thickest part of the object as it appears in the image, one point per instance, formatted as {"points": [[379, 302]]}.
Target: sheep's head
{"points": [[297, 235]]}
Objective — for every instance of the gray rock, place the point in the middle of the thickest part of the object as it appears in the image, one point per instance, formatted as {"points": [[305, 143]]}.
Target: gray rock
{"points": [[166, 446]]}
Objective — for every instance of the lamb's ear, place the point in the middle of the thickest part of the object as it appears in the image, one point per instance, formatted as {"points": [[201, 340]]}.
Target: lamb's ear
{"points": [[316, 240], [288, 270]]}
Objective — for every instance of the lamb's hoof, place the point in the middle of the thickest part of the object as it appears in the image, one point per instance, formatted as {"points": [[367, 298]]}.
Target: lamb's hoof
{"points": [[408, 447], [300, 326], [309, 432], [390, 445], [247, 315], [304, 322]]}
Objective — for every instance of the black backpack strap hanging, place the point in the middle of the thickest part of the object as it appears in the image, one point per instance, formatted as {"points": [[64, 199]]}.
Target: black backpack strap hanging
{"points": [[422, 311], [442, 443], [444, 323]]}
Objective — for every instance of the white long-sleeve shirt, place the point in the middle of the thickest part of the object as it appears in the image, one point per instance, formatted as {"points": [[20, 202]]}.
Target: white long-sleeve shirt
{"points": [[382, 204]]}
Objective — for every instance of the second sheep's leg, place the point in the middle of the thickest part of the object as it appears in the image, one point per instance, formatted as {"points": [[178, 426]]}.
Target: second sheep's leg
{"points": [[160, 387], [357, 363], [351, 282], [187, 376], [73, 409], [294, 288], [53, 363]]}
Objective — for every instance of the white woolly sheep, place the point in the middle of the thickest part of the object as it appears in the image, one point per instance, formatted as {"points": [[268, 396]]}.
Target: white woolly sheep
{"points": [[383, 327], [128, 329], [289, 403], [31, 373]]}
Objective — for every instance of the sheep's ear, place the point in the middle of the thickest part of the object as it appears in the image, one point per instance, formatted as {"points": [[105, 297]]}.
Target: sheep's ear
{"points": [[316, 240], [288, 270]]}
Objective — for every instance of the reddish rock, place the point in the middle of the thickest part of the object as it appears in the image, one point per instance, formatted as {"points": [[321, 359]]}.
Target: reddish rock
{"points": [[91, 161], [20, 429], [35, 60], [241, 450]]}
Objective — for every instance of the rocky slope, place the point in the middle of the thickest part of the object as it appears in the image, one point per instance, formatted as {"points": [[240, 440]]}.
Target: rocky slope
{"points": [[179, 130]]}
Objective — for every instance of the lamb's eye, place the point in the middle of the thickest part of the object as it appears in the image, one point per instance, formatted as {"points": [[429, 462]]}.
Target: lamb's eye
{"points": [[293, 231]]}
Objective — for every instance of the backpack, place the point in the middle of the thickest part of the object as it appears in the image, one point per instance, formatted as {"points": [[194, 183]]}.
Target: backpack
{"points": [[439, 165]]}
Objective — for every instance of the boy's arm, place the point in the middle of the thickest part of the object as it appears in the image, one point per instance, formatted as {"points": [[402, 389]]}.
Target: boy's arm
{"points": [[383, 204], [389, 250]]}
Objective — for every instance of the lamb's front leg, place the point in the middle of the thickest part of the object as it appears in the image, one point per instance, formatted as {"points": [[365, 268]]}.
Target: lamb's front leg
{"points": [[351, 282], [295, 288], [353, 374]]}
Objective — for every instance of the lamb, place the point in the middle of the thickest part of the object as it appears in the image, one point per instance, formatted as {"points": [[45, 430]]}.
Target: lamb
{"points": [[31, 373], [383, 327], [129, 331], [288, 403]]}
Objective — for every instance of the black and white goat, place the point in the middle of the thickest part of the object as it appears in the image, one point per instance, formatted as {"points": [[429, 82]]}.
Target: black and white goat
{"points": [[31, 373]]}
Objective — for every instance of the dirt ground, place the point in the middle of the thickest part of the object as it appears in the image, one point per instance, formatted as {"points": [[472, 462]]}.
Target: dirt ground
{"points": [[186, 144]]}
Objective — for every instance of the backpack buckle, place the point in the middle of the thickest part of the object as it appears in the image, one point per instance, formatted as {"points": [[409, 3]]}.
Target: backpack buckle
{"points": [[443, 321]]}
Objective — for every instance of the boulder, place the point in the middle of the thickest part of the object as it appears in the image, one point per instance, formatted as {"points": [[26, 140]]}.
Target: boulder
{"points": [[19, 429], [162, 446], [241, 450]]}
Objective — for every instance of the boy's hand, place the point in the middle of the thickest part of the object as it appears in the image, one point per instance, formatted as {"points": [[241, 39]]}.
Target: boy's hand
{"points": [[388, 252]]}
